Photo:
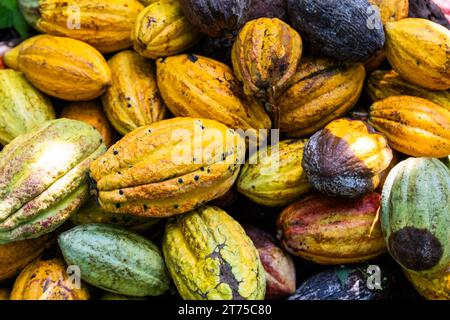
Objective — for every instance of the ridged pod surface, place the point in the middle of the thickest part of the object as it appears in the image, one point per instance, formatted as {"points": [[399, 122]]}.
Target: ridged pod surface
{"points": [[196, 86], [384, 84], [346, 158], [332, 231], [47, 280], [133, 99], [274, 176], [435, 287], [104, 24], [322, 90], [161, 29], [210, 257], [44, 177], [265, 56], [15, 256], [412, 125], [419, 50], [392, 10], [22, 106], [65, 68], [115, 260], [168, 168], [415, 215]]}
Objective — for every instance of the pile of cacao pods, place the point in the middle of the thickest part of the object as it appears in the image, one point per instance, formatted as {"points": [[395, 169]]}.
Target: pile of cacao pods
{"points": [[226, 150]]}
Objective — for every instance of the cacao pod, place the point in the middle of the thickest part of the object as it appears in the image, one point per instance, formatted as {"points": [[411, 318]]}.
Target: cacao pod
{"points": [[340, 31], [91, 113], [47, 280], [418, 50], [279, 267], [210, 257], [415, 215], [265, 56], [412, 125], [4, 294], [161, 29], [431, 287], [216, 17], [429, 9], [11, 57], [152, 172], [274, 176], [322, 91], [392, 10], [22, 106], [44, 177], [330, 230], [65, 68], [104, 24], [133, 99], [196, 86], [346, 158], [15, 256], [115, 260], [383, 84]]}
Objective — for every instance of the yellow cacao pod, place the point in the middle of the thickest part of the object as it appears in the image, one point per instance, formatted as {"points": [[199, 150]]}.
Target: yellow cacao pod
{"points": [[104, 24], [168, 168], [161, 30], [196, 86], [434, 287], [65, 68], [412, 125], [47, 280], [265, 56], [392, 10], [4, 294], [210, 257], [133, 99], [91, 113], [15, 256], [419, 50], [383, 84], [11, 57], [274, 176], [323, 91]]}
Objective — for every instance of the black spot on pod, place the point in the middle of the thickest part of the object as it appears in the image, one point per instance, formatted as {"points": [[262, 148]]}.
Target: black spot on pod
{"points": [[416, 249], [117, 205], [192, 57], [115, 152]]}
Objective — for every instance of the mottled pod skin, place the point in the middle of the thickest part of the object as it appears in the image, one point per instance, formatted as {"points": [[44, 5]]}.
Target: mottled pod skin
{"points": [[22, 106], [265, 56], [412, 125], [435, 287], [44, 177], [415, 215], [91, 113], [216, 17], [392, 10], [47, 280], [346, 158], [196, 86], [418, 50], [65, 68], [115, 260], [133, 99], [210, 257], [332, 231], [104, 24], [15, 256], [152, 171], [279, 267], [352, 32], [274, 176], [384, 84], [322, 90], [161, 30]]}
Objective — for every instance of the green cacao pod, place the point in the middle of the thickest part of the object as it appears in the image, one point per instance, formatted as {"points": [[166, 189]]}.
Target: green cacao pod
{"points": [[153, 172], [115, 260], [44, 177], [133, 99], [416, 215], [22, 106], [210, 257], [274, 176]]}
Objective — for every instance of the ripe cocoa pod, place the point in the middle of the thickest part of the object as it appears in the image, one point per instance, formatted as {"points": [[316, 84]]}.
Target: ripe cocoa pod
{"points": [[392, 10], [161, 30], [279, 267], [429, 9], [133, 99], [11, 57]]}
